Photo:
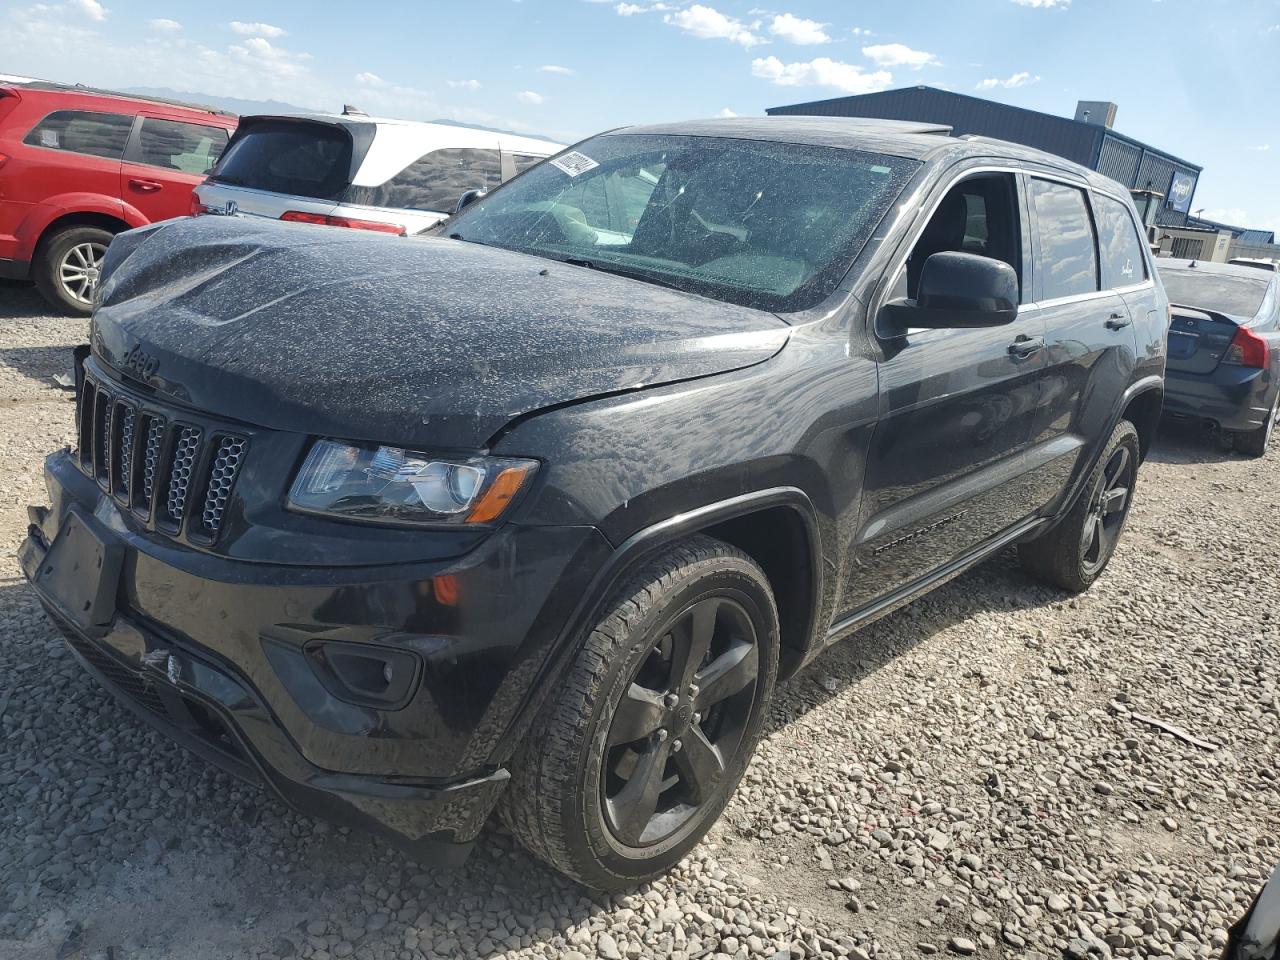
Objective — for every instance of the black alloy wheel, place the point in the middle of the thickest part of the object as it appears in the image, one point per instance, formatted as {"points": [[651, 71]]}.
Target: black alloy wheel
{"points": [[681, 716], [651, 728], [1108, 510]]}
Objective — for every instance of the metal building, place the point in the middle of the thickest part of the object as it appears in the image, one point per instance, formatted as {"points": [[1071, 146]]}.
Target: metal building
{"points": [[1088, 140]]}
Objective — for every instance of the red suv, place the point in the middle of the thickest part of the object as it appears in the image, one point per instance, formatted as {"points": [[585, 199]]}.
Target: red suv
{"points": [[77, 166]]}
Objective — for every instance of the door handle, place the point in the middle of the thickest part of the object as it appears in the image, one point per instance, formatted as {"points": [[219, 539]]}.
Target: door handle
{"points": [[146, 186], [1118, 321], [1025, 346]]}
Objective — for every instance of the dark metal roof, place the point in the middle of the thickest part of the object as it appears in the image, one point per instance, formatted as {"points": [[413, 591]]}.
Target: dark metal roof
{"points": [[54, 86], [1074, 139]]}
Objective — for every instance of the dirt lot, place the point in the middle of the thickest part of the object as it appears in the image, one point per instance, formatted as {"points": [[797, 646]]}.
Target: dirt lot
{"points": [[970, 776]]}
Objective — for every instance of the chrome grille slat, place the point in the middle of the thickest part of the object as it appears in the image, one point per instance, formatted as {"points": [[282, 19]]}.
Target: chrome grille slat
{"points": [[151, 460], [181, 470], [222, 474], [122, 446], [101, 435]]}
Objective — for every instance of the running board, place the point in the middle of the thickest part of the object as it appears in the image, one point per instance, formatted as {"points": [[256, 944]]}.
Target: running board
{"points": [[901, 597]]}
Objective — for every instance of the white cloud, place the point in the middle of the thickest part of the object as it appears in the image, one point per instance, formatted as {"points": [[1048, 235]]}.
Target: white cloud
{"points": [[708, 23], [1239, 217], [553, 68], [262, 55], [630, 9], [822, 72], [860, 32], [256, 29], [1043, 4], [37, 36], [898, 55], [726, 113], [367, 79], [1263, 147], [1022, 79], [164, 25], [91, 9], [531, 98], [799, 30], [464, 84]]}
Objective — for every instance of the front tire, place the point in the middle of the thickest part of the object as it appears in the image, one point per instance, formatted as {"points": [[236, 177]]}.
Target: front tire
{"points": [[1075, 552], [67, 267], [636, 755]]}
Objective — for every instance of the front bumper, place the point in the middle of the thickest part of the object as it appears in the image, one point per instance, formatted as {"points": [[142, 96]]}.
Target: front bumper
{"points": [[1235, 398], [213, 652]]}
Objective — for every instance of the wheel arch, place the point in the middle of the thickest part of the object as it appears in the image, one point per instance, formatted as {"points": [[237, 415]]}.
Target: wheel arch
{"points": [[1143, 409], [748, 522], [81, 218]]}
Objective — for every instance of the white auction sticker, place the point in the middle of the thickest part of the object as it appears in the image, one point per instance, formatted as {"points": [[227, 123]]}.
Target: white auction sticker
{"points": [[574, 163]]}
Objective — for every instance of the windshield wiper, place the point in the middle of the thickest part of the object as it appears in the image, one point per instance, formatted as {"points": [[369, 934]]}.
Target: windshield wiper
{"points": [[619, 271]]}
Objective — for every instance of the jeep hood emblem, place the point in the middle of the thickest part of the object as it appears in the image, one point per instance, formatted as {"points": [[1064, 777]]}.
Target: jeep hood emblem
{"points": [[140, 363]]}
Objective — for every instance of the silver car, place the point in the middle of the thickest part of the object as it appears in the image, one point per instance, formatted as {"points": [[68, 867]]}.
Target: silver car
{"points": [[352, 170]]}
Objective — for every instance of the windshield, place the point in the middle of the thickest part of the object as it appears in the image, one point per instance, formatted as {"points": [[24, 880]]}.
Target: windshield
{"points": [[768, 225], [1237, 296]]}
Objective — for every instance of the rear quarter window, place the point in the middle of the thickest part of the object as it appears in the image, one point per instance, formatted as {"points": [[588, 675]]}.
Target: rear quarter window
{"points": [[300, 159], [186, 147], [1123, 262], [82, 131], [435, 181]]}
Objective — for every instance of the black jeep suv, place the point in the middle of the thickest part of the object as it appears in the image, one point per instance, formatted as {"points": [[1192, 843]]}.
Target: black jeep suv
{"points": [[532, 514]]}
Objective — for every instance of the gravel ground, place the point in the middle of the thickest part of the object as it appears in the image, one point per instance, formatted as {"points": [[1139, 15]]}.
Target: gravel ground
{"points": [[975, 775]]}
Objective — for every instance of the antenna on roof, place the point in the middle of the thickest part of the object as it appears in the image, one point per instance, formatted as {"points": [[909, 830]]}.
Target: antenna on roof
{"points": [[350, 111]]}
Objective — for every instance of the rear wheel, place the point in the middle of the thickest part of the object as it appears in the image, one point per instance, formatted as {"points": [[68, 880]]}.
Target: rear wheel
{"points": [[1254, 443], [639, 751], [68, 265], [1075, 552]]}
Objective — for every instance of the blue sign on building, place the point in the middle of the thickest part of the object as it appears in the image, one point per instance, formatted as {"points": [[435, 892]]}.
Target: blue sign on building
{"points": [[1180, 191]]}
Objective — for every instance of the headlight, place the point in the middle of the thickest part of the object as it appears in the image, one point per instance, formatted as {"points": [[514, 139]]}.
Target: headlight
{"points": [[391, 485]]}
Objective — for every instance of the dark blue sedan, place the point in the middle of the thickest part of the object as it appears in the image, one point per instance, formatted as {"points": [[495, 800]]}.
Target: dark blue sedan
{"points": [[1224, 349]]}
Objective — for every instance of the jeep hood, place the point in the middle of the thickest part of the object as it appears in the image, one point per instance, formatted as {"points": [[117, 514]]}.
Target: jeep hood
{"points": [[421, 342]]}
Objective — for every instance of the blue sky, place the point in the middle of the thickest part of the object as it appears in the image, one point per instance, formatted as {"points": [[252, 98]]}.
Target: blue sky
{"points": [[1194, 77]]}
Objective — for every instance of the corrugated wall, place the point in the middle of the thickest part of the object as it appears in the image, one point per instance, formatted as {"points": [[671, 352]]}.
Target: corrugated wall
{"points": [[1119, 160]]}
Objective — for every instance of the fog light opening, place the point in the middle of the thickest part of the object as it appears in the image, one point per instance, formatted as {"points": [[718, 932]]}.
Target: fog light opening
{"points": [[365, 674]]}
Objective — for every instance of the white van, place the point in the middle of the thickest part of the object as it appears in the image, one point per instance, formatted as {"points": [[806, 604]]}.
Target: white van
{"points": [[352, 170]]}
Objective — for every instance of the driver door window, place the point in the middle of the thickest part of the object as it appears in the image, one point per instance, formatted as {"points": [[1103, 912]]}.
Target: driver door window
{"points": [[979, 216]]}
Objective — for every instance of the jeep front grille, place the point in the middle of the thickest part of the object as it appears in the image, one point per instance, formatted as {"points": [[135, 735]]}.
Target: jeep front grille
{"points": [[175, 474]]}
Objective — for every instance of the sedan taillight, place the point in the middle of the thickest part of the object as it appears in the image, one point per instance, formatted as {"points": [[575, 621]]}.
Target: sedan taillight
{"points": [[1248, 350], [299, 216]]}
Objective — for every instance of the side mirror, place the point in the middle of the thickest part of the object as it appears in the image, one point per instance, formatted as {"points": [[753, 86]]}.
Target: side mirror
{"points": [[468, 198], [957, 290]]}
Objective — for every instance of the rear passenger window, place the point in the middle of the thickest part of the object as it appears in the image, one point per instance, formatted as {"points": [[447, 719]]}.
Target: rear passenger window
{"points": [[82, 131], [1123, 262], [524, 161], [435, 181], [188, 147], [1068, 257]]}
